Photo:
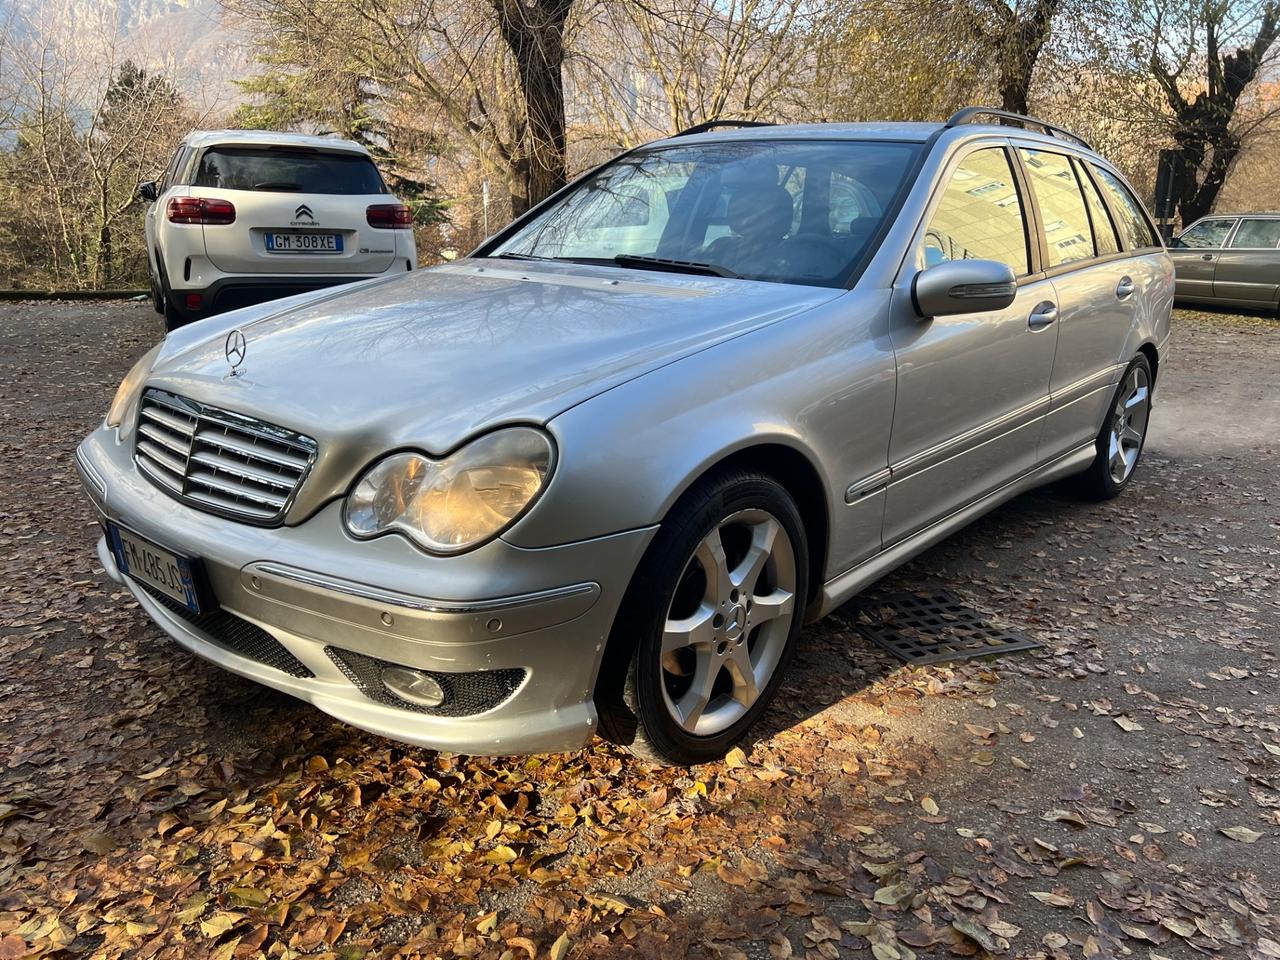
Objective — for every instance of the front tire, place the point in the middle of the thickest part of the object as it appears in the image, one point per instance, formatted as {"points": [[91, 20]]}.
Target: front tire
{"points": [[709, 624], [1123, 434]]}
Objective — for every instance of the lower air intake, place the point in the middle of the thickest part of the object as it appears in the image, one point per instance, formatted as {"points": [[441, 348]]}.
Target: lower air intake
{"points": [[465, 694], [237, 635]]}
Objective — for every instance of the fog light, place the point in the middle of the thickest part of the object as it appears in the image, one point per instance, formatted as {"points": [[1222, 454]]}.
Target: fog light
{"points": [[413, 686], [194, 300]]}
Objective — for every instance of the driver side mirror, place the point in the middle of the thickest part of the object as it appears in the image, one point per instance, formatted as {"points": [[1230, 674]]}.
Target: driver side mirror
{"points": [[963, 286], [148, 192]]}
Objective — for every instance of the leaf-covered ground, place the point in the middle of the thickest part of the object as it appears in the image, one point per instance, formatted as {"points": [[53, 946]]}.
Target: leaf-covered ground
{"points": [[1116, 794]]}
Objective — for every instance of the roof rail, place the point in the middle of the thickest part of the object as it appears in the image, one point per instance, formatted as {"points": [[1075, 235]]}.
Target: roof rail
{"points": [[712, 124], [968, 115]]}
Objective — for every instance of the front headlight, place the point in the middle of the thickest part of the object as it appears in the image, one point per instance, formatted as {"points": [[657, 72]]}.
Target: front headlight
{"points": [[458, 502], [124, 407]]}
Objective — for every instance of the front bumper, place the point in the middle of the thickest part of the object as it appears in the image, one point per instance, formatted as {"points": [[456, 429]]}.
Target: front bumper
{"points": [[538, 619]]}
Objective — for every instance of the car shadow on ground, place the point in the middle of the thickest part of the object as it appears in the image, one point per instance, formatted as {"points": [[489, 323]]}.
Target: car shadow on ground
{"points": [[833, 663]]}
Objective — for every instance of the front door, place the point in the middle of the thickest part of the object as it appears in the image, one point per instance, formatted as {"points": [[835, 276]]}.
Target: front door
{"points": [[1195, 255], [1249, 267], [972, 389]]}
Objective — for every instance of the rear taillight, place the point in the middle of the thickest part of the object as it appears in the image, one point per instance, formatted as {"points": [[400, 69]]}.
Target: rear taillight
{"points": [[201, 210], [389, 216]]}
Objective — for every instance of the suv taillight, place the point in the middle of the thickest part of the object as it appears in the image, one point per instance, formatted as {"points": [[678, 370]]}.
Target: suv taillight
{"points": [[201, 210], [389, 216]]}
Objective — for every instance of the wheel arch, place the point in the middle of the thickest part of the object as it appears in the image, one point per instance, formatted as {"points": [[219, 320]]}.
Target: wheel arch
{"points": [[800, 478], [1149, 350], [795, 470]]}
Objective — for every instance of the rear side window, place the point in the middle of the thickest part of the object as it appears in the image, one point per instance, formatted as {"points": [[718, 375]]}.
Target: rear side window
{"points": [[1062, 210], [1133, 221], [288, 171], [166, 181], [1206, 235], [1255, 234], [980, 215], [1104, 231]]}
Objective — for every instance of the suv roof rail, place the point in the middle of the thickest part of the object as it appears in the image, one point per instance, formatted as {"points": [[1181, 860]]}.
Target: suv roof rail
{"points": [[969, 115], [712, 124]]}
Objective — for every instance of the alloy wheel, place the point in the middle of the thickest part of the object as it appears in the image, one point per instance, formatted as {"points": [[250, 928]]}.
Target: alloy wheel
{"points": [[728, 622], [1129, 425]]}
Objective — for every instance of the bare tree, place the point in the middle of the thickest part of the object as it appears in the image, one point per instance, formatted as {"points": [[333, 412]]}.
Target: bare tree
{"points": [[1205, 80], [484, 77], [646, 68], [87, 127]]}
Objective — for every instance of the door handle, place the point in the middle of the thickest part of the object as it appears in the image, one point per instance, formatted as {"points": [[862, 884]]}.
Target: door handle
{"points": [[1207, 257], [1124, 289], [1043, 315]]}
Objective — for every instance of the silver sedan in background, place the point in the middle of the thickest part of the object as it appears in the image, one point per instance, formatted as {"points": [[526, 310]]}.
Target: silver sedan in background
{"points": [[594, 477], [1230, 259]]}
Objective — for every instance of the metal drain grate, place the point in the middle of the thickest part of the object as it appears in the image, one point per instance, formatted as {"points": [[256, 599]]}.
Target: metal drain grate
{"points": [[921, 628]]}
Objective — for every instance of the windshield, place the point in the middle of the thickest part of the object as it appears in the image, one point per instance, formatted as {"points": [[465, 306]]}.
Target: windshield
{"points": [[289, 171], [783, 211]]}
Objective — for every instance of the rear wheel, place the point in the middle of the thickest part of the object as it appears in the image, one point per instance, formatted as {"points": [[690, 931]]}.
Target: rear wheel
{"points": [[1124, 432], [709, 623], [157, 297], [172, 318]]}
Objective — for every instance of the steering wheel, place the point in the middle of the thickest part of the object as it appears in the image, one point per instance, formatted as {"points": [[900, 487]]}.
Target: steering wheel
{"points": [[808, 255]]}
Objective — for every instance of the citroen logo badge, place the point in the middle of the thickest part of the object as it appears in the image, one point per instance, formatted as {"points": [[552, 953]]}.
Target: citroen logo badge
{"points": [[304, 212], [235, 348]]}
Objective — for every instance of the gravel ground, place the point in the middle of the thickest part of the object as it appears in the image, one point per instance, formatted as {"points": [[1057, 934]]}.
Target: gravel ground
{"points": [[1065, 802]]}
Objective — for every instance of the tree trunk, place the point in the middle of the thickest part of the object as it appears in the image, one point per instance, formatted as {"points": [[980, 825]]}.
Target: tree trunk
{"points": [[102, 263], [534, 32], [1021, 43]]}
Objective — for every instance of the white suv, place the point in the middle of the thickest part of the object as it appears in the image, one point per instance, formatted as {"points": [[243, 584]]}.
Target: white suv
{"points": [[243, 216]]}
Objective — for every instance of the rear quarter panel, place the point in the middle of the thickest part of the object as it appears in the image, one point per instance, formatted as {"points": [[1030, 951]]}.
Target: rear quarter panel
{"points": [[1153, 273]]}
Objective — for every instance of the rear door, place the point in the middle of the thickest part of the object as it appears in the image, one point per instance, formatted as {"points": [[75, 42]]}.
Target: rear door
{"points": [[1195, 255], [298, 211], [973, 389], [1096, 291], [1249, 266]]}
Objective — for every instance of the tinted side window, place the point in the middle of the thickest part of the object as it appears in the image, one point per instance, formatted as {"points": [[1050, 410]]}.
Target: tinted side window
{"points": [[1066, 222], [1104, 231], [1257, 233], [1207, 234], [980, 216], [1133, 221], [167, 180]]}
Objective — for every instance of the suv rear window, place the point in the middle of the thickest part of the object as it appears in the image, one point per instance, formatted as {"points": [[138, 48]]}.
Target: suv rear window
{"points": [[290, 171]]}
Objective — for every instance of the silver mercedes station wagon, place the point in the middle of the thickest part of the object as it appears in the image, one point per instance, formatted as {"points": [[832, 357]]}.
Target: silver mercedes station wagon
{"points": [[594, 477]]}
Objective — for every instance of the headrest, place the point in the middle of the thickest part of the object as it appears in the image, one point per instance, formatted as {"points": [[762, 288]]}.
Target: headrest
{"points": [[761, 213]]}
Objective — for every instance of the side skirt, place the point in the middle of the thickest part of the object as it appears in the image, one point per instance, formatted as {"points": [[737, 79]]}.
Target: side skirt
{"points": [[839, 589]]}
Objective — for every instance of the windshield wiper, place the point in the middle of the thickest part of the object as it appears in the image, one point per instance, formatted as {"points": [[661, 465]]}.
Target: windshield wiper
{"points": [[674, 266], [521, 256], [278, 185]]}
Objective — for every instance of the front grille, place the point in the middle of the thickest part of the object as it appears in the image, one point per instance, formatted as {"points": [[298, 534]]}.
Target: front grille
{"points": [[236, 634], [465, 694], [219, 461]]}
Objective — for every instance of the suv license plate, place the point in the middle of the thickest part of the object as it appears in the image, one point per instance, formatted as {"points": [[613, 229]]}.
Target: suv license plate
{"points": [[155, 566], [304, 243]]}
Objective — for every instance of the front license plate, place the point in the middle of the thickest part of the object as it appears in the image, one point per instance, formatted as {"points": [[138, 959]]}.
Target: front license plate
{"points": [[154, 565], [304, 243]]}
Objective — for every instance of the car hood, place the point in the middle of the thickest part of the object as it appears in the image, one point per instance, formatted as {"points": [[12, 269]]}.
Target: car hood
{"points": [[434, 357], [431, 358]]}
